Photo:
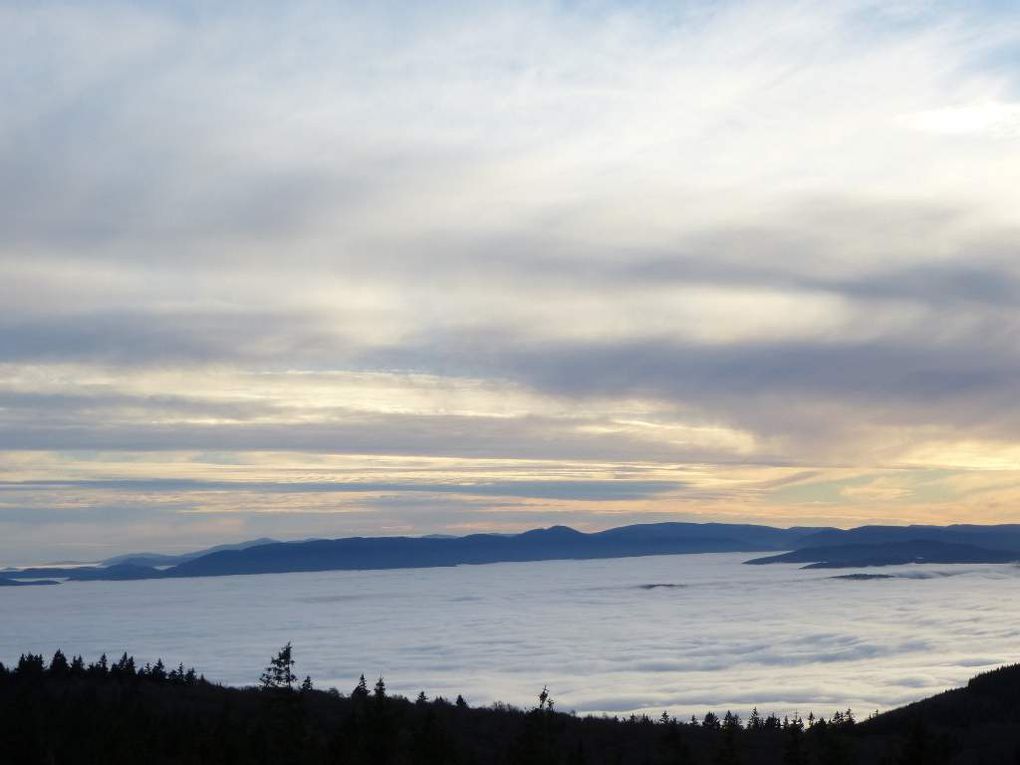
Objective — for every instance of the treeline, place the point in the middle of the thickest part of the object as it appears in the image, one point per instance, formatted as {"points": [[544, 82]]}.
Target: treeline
{"points": [[34, 666], [67, 711]]}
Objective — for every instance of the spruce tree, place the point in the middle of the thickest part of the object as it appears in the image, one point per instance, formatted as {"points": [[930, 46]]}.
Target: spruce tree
{"points": [[361, 689], [58, 664], [793, 751], [754, 722], [280, 672]]}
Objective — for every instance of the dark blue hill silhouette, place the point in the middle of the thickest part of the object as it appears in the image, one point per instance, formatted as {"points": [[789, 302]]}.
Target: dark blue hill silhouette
{"points": [[4, 582], [889, 554], [1001, 537], [555, 543], [819, 547], [162, 559], [82, 573], [120, 572], [363, 553]]}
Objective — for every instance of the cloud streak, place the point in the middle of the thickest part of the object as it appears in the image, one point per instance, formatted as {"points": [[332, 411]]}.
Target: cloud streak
{"points": [[581, 490]]}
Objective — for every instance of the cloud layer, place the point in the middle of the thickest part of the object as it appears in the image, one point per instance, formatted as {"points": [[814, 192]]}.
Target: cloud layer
{"points": [[730, 637]]}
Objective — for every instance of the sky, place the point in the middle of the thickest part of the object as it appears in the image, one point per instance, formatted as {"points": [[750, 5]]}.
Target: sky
{"points": [[321, 269]]}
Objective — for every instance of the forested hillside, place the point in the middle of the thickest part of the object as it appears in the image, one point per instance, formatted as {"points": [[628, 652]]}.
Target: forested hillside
{"points": [[67, 711]]}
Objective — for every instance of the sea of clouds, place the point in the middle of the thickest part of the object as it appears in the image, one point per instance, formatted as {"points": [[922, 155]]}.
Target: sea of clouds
{"points": [[720, 636]]}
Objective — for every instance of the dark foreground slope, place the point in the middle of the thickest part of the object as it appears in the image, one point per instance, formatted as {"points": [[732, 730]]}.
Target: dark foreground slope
{"points": [[70, 713], [979, 723]]}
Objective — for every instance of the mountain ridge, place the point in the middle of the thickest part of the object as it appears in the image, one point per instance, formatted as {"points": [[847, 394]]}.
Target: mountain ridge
{"points": [[889, 554], [379, 553], [819, 547]]}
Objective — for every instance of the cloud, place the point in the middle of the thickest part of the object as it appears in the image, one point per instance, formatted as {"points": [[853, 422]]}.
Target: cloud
{"points": [[998, 120], [581, 490], [735, 637], [740, 233]]}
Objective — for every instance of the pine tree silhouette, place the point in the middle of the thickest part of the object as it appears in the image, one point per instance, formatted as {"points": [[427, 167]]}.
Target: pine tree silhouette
{"points": [[280, 672], [58, 664], [361, 689]]}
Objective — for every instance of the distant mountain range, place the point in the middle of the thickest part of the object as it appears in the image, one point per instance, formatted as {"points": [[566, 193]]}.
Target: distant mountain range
{"points": [[889, 554], [1002, 536], [817, 547], [366, 553], [159, 559], [893, 545]]}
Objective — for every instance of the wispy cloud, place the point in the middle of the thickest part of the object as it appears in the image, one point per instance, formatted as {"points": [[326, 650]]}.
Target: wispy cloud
{"points": [[757, 232]]}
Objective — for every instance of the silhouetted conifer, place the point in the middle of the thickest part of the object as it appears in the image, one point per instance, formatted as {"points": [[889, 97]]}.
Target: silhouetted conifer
{"points": [[543, 698], [731, 721], [535, 743], [279, 675], [124, 667], [177, 676], [31, 665], [673, 746], [793, 749], [58, 665], [830, 743], [755, 722], [360, 690]]}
